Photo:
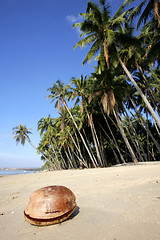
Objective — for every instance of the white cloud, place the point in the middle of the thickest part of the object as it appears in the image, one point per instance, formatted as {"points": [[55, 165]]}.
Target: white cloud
{"points": [[73, 19]]}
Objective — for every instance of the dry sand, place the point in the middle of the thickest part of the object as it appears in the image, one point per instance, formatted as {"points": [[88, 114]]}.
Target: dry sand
{"points": [[117, 203]]}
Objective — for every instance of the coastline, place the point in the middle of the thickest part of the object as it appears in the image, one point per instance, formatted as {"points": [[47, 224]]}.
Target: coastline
{"points": [[15, 171], [120, 202]]}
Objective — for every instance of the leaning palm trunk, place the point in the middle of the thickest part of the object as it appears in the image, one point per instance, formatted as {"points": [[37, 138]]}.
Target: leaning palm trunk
{"points": [[64, 163], [50, 162], [141, 93], [136, 136], [156, 11], [88, 143], [110, 142], [71, 157], [94, 135], [115, 142], [99, 146], [143, 124], [134, 159], [94, 139], [80, 152], [89, 153], [152, 95], [136, 147], [70, 165], [81, 159], [156, 126], [55, 154]]}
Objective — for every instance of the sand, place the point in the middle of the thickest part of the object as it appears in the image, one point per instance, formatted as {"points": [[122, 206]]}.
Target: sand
{"points": [[117, 203]]}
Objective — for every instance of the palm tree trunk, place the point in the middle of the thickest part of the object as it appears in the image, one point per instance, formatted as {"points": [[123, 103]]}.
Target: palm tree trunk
{"points": [[156, 11], [142, 120], [41, 154], [106, 53], [110, 142], [94, 139], [80, 135], [136, 136], [71, 157], [141, 93], [80, 152], [152, 94], [94, 135], [55, 154], [64, 163], [148, 155], [136, 147], [115, 142], [69, 161], [125, 139], [81, 159], [155, 124], [95, 160]]}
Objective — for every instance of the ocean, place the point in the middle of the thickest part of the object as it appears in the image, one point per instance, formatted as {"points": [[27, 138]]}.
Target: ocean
{"points": [[14, 172]]}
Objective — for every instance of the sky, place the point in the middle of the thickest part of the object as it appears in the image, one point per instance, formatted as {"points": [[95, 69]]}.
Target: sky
{"points": [[36, 50]]}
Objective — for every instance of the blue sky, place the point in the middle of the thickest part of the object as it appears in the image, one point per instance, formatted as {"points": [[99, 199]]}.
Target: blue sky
{"points": [[36, 49]]}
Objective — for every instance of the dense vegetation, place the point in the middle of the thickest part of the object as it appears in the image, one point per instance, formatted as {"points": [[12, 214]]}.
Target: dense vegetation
{"points": [[115, 113]]}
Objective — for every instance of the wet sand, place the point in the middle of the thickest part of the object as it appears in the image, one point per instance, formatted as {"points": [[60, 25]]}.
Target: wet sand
{"points": [[117, 203]]}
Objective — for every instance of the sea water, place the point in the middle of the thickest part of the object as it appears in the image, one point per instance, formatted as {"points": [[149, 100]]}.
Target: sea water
{"points": [[13, 172]]}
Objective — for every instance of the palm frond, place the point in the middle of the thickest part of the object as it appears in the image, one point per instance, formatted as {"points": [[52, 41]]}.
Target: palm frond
{"points": [[94, 49], [122, 7], [146, 13], [95, 12], [85, 41], [154, 52], [136, 12]]}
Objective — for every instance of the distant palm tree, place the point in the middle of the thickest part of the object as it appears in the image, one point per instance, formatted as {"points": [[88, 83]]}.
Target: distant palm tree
{"points": [[80, 91], [59, 92], [20, 133]]}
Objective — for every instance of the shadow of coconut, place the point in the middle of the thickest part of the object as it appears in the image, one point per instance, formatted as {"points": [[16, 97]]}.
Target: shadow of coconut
{"points": [[75, 213]]}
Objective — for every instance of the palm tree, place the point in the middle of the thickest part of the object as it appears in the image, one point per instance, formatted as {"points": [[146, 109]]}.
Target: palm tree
{"points": [[150, 35], [157, 119], [99, 29], [59, 92], [111, 88], [80, 91], [88, 27], [45, 125], [20, 133]]}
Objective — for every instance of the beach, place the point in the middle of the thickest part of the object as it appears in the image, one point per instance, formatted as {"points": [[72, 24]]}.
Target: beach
{"points": [[116, 203]]}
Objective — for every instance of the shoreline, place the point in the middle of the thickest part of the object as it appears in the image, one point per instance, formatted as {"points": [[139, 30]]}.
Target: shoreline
{"points": [[121, 202], [34, 170]]}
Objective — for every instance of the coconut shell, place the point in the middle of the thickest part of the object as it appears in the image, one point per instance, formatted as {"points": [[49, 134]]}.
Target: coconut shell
{"points": [[50, 205]]}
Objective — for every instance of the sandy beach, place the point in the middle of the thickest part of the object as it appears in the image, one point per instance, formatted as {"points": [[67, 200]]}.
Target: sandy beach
{"points": [[117, 203]]}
